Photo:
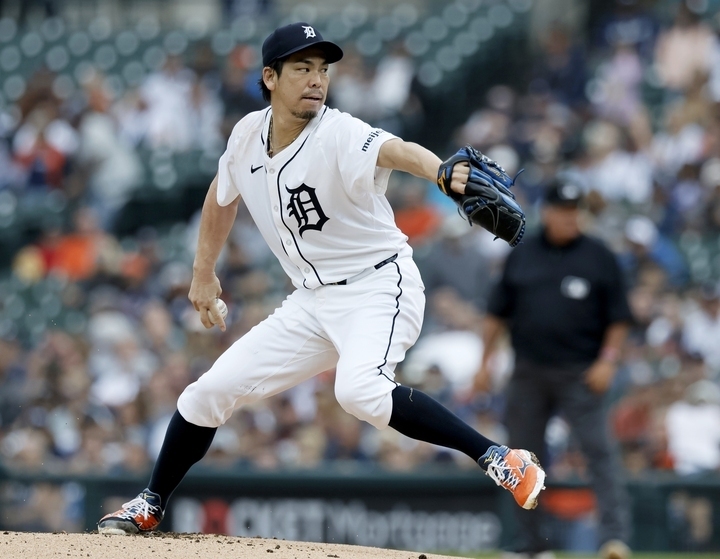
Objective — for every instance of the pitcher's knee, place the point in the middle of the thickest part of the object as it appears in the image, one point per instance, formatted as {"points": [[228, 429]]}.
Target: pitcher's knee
{"points": [[375, 409], [204, 408]]}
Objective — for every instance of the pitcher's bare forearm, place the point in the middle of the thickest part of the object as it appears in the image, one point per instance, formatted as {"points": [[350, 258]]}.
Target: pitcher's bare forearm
{"points": [[409, 157], [414, 159], [215, 224]]}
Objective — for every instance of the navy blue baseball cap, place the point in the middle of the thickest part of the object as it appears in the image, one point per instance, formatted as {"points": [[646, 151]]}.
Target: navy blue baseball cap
{"points": [[292, 38]]}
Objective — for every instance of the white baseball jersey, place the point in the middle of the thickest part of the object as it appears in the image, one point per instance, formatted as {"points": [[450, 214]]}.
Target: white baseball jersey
{"points": [[321, 207], [319, 203]]}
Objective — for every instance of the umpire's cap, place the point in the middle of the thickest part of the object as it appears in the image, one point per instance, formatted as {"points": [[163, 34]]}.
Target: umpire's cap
{"points": [[292, 38], [563, 193]]}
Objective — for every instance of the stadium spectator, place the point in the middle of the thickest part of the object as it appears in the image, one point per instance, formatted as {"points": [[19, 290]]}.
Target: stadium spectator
{"points": [[169, 96], [43, 144], [693, 429], [453, 259], [612, 170], [414, 214], [110, 167], [685, 49], [647, 248], [619, 83], [561, 68], [238, 91], [701, 328]]}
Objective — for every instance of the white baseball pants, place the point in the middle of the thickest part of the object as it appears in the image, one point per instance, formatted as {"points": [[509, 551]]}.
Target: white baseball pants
{"points": [[363, 329]]}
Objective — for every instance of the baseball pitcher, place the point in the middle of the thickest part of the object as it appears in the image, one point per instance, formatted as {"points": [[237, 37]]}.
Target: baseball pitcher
{"points": [[314, 179]]}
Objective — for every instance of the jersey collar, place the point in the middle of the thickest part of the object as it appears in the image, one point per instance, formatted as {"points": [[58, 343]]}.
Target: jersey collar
{"points": [[292, 148]]}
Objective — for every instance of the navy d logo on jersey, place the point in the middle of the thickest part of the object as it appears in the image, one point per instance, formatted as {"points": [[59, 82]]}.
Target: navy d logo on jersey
{"points": [[304, 207]]}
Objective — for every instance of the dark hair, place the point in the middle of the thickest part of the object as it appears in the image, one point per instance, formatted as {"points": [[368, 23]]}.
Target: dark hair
{"points": [[277, 66]]}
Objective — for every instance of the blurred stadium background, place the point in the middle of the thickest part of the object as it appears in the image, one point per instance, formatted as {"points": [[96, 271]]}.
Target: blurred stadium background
{"points": [[112, 117]]}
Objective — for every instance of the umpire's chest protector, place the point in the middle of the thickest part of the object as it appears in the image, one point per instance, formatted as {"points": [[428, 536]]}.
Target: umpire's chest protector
{"points": [[320, 203]]}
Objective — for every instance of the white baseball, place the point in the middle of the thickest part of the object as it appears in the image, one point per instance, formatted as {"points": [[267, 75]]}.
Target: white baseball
{"points": [[222, 307]]}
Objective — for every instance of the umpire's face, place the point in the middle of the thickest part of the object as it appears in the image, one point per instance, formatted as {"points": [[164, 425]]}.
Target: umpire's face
{"points": [[301, 87], [562, 223]]}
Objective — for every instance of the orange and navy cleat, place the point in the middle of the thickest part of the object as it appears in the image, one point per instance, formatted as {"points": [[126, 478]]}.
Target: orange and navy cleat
{"points": [[142, 514], [518, 471]]}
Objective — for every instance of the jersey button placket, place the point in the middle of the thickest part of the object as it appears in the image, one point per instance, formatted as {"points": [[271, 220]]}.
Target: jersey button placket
{"points": [[276, 201], [282, 228]]}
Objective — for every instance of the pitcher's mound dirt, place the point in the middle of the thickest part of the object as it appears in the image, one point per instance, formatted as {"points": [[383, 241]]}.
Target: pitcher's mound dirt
{"points": [[30, 545]]}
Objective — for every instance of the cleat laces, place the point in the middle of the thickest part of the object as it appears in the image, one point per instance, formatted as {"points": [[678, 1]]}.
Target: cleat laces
{"points": [[137, 506], [502, 474]]}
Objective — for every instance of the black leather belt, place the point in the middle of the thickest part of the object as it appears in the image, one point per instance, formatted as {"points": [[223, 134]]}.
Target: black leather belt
{"points": [[366, 272]]}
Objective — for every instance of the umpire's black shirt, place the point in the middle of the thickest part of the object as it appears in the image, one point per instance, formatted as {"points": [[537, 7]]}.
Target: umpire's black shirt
{"points": [[559, 301]]}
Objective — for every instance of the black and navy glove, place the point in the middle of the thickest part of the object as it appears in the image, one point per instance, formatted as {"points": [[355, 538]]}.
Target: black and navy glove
{"points": [[487, 201]]}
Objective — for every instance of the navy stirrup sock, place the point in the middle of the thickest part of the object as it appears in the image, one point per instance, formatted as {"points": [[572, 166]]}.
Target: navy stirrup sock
{"points": [[184, 445], [418, 416]]}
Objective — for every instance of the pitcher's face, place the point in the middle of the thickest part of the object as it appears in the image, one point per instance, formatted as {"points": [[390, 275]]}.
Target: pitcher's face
{"points": [[302, 85]]}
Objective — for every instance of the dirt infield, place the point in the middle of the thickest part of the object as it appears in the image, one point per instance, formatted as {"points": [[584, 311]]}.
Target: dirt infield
{"points": [[31, 545]]}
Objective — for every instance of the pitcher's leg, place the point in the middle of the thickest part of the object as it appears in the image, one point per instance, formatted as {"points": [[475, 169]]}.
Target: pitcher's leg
{"points": [[418, 416], [372, 323], [385, 322], [184, 445], [283, 350], [280, 352]]}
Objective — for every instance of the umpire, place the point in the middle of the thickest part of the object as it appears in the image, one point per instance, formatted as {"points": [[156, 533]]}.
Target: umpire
{"points": [[561, 295]]}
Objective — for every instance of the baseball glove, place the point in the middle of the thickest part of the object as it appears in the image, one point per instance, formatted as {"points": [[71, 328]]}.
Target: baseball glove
{"points": [[487, 201]]}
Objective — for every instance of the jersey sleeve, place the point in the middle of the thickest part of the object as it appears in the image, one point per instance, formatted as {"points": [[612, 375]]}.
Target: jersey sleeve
{"points": [[358, 144], [227, 190]]}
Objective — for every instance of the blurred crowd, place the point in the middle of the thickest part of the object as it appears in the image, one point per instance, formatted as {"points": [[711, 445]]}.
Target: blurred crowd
{"points": [[631, 113]]}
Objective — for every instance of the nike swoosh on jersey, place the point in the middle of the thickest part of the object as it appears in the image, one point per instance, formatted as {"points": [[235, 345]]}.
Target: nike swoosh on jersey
{"points": [[253, 169]]}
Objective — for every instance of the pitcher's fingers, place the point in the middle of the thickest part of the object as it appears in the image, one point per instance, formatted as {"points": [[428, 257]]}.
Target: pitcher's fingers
{"points": [[463, 168], [216, 317], [461, 171], [205, 317]]}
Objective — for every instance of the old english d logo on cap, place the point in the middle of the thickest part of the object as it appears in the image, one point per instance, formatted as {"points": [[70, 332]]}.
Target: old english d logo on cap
{"points": [[295, 37]]}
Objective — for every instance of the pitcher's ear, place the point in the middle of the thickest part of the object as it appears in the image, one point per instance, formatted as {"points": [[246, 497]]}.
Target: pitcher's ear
{"points": [[269, 77]]}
